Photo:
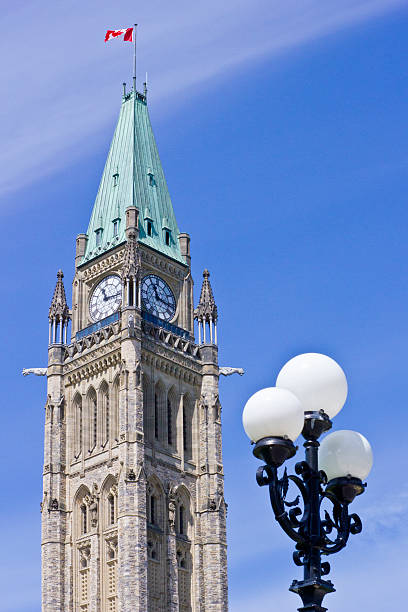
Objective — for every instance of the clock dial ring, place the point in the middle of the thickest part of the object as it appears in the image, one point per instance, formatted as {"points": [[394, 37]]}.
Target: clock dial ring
{"points": [[158, 298], [106, 297]]}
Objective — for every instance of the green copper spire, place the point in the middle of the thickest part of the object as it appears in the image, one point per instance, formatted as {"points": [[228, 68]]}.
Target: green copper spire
{"points": [[107, 225]]}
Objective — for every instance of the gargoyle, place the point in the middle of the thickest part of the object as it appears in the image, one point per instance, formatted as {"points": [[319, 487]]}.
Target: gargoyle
{"points": [[36, 371], [225, 371]]}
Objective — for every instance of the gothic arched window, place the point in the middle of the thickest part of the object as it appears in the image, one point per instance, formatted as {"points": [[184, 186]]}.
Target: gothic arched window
{"points": [[156, 416], [92, 418], [109, 543], [105, 412], [111, 509], [156, 541], [84, 519], [152, 513], [159, 411], [181, 520], [169, 422], [187, 426], [183, 527], [82, 549], [147, 408], [171, 418], [77, 412], [115, 411]]}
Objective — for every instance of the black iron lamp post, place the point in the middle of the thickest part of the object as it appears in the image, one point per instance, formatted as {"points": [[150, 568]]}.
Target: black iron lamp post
{"points": [[310, 390]]}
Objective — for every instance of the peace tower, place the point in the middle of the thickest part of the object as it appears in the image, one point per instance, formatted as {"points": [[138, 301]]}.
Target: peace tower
{"points": [[133, 510]]}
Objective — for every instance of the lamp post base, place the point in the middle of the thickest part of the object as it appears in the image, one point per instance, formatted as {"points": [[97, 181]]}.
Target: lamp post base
{"points": [[312, 593]]}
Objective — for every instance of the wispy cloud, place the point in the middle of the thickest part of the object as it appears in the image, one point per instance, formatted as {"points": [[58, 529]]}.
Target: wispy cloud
{"points": [[361, 574], [63, 82], [364, 585], [390, 513]]}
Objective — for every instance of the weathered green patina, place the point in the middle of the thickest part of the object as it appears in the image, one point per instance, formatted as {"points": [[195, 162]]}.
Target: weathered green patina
{"points": [[133, 163]]}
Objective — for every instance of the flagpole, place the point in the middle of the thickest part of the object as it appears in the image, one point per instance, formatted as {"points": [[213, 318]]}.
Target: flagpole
{"points": [[134, 120], [134, 60]]}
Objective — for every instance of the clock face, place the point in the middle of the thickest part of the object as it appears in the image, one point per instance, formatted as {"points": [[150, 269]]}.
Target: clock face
{"points": [[106, 297], [158, 298]]}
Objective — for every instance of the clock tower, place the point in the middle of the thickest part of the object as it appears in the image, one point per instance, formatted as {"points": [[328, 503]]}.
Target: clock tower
{"points": [[133, 510]]}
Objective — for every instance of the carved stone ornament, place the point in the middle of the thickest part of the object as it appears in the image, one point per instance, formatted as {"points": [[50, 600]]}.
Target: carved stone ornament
{"points": [[172, 509], [202, 403], [112, 547], [53, 504], [59, 307], [92, 503], [138, 374], [84, 555], [206, 310], [43, 504], [131, 326], [227, 371], [132, 262], [35, 371]]}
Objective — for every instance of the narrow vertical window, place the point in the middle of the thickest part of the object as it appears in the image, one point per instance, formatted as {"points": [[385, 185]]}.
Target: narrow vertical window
{"points": [[131, 296], [169, 422], [111, 502], [149, 228], [167, 237], [95, 421], [185, 439], [181, 520], [107, 417], [156, 416], [80, 430], [116, 412], [152, 510], [84, 522], [98, 237], [116, 227]]}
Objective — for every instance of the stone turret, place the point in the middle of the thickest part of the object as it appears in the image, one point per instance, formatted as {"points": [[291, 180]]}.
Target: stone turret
{"points": [[206, 312], [59, 314], [53, 506]]}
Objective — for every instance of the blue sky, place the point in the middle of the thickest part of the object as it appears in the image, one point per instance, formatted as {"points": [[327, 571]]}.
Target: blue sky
{"points": [[283, 134]]}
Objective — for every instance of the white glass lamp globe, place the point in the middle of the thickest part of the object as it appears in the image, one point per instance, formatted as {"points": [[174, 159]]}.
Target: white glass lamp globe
{"points": [[317, 380], [273, 412], [345, 453]]}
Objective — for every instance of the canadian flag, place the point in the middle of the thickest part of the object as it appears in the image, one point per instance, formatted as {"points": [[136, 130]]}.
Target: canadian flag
{"points": [[128, 32]]}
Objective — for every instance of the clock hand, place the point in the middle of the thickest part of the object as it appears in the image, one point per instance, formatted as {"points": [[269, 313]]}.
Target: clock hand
{"points": [[109, 297]]}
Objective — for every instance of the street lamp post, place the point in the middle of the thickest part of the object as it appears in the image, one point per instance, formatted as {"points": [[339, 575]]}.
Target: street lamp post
{"points": [[310, 390]]}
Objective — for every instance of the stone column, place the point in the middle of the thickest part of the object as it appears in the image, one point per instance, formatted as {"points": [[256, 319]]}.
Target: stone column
{"points": [[172, 570], [132, 559], [211, 489], [94, 575], [54, 492]]}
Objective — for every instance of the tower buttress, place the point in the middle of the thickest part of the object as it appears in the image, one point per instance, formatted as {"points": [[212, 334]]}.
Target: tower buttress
{"points": [[132, 263], [186, 314], [132, 559], [212, 504], [53, 506]]}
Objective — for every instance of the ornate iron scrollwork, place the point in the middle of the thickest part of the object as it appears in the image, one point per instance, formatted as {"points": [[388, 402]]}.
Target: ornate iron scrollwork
{"points": [[316, 529]]}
